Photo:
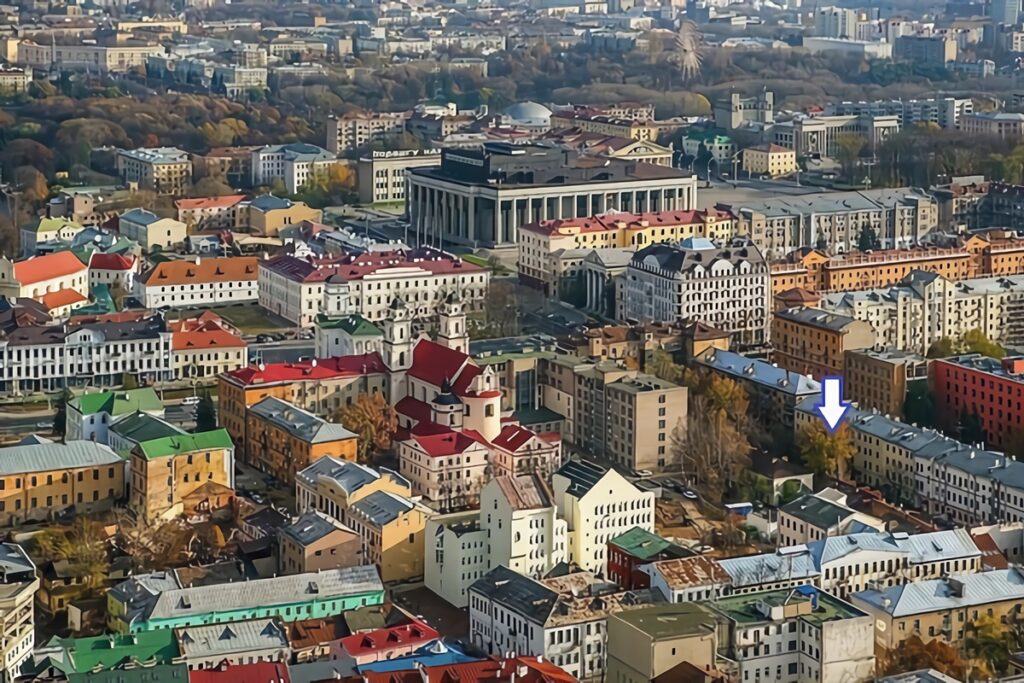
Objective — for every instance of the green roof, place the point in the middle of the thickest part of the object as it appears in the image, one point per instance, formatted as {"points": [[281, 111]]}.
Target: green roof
{"points": [[744, 609], [641, 543], [53, 224], [354, 325], [162, 673], [185, 443], [118, 402], [101, 302], [82, 655], [662, 622], [141, 427]]}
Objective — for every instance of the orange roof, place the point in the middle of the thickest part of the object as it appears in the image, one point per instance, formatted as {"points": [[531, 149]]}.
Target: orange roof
{"points": [[61, 298], [41, 268], [205, 331], [225, 269], [630, 221], [209, 202]]}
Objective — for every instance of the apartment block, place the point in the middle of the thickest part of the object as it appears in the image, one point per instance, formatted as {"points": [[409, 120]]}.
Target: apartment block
{"points": [[814, 342], [165, 170], [879, 380], [990, 388]]}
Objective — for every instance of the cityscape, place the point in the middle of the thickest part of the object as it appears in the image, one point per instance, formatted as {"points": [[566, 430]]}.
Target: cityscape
{"points": [[557, 341]]}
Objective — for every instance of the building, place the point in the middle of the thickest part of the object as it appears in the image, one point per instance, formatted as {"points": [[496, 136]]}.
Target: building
{"points": [[249, 641], [115, 271], [356, 129], [44, 278], [990, 388], [15, 79], [42, 478], [99, 657], [392, 531], [542, 244], [597, 121], [17, 614], [814, 516], [346, 336], [160, 600], [934, 50], [266, 214], [331, 485], [211, 213], [1005, 12], [836, 22], [79, 56], [775, 633], [880, 380], [813, 342], [481, 197], [90, 416], [207, 281], [295, 164], [316, 542], [152, 232], [820, 134], [597, 505], [366, 283], [690, 579], [738, 110], [183, 474], [645, 644], [769, 160], [282, 439], [707, 146], [944, 112], [46, 232], [382, 174], [628, 551], [1004, 125], [165, 170], [611, 146], [943, 608], [204, 347], [644, 412], [724, 285]]}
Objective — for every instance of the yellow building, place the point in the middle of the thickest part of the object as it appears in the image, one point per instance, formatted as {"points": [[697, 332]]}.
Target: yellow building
{"points": [[166, 170], [267, 214], [596, 122], [282, 439], [392, 531], [331, 485], [174, 475], [812, 342], [38, 480], [770, 160]]}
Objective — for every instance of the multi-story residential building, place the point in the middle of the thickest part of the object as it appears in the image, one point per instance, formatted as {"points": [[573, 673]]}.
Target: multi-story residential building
{"points": [[113, 270], [481, 197], [769, 160], [42, 479], [941, 609], [810, 341], [282, 439], [382, 174], [1004, 125], [133, 429], [879, 380], [448, 468], [629, 551], [17, 613], [316, 542], [357, 129], [815, 516], [727, 286], [540, 244], [563, 619], [899, 217], [44, 278], [98, 352], [931, 50], [15, 79], [836, 22], [90, 416], [295, 164], [643, 413], [80, 56], [151, 231], [204, 346], [267, 214], [165, 170], [990, 388], [331, 485], [211, 213], [597, 505], [820, 134], [802, 635], [926, 307], [945, 112], [207, 281], [183, 474], [775, 392], [599, 121], [366, 283], [650, 643], [160, 600], [392, 531]]}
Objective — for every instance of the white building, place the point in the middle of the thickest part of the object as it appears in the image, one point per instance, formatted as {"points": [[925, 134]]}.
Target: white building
{"points": [[819, 515], [295, 164], [39, 276], [727, 287], [346, 336], [944, 112], [165, 170], [90, 416], [382, 174], [597, 505], [358, 129], [113, 270], [17, 608], [207, 281], [835, 22]]}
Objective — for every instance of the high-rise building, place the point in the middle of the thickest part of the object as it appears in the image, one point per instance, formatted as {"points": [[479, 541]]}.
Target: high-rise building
{"points": [[835, 22]]}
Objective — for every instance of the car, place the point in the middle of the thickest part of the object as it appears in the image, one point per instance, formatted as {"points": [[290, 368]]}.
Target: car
{"points": [[258, 499], [277, 336], [264, 339], [675, 485], [306, 334], [190, 401], [704, 549], [691, 494], [643, 473], [44, 424]]}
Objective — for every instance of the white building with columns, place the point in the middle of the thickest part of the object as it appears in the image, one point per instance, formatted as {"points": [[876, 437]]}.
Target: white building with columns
{"points": [[481, 196]]}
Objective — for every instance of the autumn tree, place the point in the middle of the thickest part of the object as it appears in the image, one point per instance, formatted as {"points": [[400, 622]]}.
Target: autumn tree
{"points": [[83, 545], [373, 420], [825, 452], [868, 240], [848, 149], [975, 341], [914, 655]]}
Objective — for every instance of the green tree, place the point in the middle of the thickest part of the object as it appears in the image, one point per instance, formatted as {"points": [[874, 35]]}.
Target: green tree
{"points": [[975, 341], [129, 381], [944, 347], [919, 404], [868, 239], [60, 416], [206, 413], [824, 452], [970, 428]]}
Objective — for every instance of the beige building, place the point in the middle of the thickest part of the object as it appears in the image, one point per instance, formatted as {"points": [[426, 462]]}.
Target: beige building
{"points": [[592, 121], [813, 342], [382, 174], [104, 58], [151, 231], [317, 542], [769, 160], [357, 129], [391, 528], [331, 485], [165, 170], [643, 412], [648, 642], [878, 380], [1004, 125], [14, 79], [267, 214]]}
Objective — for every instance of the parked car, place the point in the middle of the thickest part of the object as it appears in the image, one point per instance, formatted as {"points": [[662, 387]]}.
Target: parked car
{"points": [[190, 401], [691, 494], [642, 473], [264, 339]]}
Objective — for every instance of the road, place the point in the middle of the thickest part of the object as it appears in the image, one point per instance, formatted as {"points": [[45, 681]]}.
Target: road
{"points": [[281, 352]]}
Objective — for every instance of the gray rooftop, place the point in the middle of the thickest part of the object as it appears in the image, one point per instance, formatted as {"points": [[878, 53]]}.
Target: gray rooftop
{"points": [[815, 317], [299, 423], [830, 202], [760, 372], [311, 527], [44, 457], [381, 507], [698, 253], [817, 511], [349, 476], [213, 640], [951, 593]]}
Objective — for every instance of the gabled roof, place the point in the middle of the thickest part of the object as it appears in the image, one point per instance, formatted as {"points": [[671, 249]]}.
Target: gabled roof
{"points": [[381, 507], [47, 267], [949, 593], [313, 526], [204, 270], [435, 364], [525, 491], [82, 655], [312, 370], [184, 443], [444, 443], [100, 261], [299, 423], [45, 457], [259, 672], [62, 298], [403, 635], [221, 202]]}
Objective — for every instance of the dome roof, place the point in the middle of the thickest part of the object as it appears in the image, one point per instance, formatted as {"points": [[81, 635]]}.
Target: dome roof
{"points": [[528, 112]]}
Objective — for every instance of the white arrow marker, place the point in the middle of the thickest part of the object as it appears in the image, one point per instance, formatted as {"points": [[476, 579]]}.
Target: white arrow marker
{"points": [[832, 408]]}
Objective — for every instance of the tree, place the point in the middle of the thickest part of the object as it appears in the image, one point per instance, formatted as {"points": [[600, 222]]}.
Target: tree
{"points": [[868, 239], [83, 545], [989, 644], [129, 381], [824, 452], [60, 416], [970, 428], [206, 413], [919, 404], [944, 347], [848, 149], [975, 341], [914, 655], [373, 420]]}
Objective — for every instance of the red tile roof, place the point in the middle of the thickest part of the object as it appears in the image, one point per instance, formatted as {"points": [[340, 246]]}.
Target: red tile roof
{"points": [[445, 443], [414, 634], [433, 363], [633, 221], [47, 267], [358, 266], [513, 437], [209, 202], [316, 369], [413, 408], [202, 332], [62, 297], [222, 269], [261, 672], [482, 671], [101, 261]]}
